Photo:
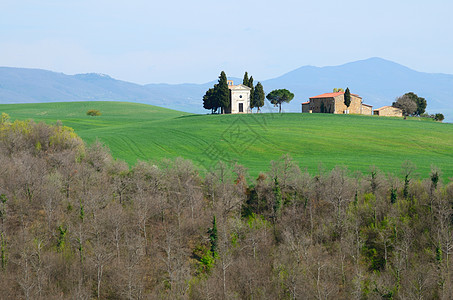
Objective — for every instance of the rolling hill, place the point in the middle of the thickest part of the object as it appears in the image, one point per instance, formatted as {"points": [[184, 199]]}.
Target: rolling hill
{"points": [[138, 131], [377, 80]]}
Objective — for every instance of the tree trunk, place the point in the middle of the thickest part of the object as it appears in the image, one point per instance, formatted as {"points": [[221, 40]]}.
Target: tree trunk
{"points": [[99, 280]]}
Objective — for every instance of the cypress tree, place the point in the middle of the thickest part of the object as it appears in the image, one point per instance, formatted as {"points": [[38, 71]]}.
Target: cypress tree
{"points": [[258, 96], [393, 195], [213, 237], [347, 98], [245, 81], [406, 186], [278, 197], [252, 92], [222, 93]]}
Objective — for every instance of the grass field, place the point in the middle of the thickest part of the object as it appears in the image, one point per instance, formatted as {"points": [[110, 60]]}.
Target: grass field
{"points": [[138, 131]]}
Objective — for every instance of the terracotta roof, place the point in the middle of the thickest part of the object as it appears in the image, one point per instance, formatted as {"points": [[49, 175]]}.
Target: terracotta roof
{"points": [[328, 95], [308, 102], [332, 95], [367, 105]]}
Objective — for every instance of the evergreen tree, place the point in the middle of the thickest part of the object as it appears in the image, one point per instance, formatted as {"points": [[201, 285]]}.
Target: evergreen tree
{"points": [[420, 101], [245, 81], [278, 197], [439, 117], [347, 98], [393, 195], [252, 91], [222, 93], [277, 97], [209, 100], [213, 237], [258, 96]]}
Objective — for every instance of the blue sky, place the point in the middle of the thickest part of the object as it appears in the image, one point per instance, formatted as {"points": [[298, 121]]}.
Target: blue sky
{"points": [[192, 41]]}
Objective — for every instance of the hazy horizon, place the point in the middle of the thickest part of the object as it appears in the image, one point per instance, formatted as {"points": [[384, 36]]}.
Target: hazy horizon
{"points": [[178, 42]]}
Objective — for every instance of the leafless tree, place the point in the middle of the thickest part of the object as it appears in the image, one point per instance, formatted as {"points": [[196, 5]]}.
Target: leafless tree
{"points": [[406, 104]]}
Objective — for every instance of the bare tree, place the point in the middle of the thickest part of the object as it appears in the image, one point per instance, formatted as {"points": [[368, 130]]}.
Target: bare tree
{"points": [[406, 104]]}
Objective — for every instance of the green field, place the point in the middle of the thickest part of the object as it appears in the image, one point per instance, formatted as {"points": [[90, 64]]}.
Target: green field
{"points": [[138, 131]]}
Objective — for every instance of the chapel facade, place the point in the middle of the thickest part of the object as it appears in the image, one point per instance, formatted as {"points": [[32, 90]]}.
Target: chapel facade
{"points": [[239, 99]]}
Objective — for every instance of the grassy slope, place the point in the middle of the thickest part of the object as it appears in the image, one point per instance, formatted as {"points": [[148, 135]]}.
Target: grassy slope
{"points": [[138, 131]]}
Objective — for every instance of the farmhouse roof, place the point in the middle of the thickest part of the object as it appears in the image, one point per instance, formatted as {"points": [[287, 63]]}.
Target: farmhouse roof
{"points": [[367, 105], [333, 95], [308, 102]]}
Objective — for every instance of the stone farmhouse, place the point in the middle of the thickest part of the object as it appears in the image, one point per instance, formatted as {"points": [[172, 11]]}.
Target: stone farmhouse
{"points": [[239, 99], [333, 103], [388, 111]]}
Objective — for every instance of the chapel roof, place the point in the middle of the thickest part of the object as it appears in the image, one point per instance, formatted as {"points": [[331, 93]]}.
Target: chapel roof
{"points": [[238, 87]]}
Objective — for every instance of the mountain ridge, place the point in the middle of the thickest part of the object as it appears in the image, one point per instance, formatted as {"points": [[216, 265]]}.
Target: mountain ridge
{"points": [[378, 81]]}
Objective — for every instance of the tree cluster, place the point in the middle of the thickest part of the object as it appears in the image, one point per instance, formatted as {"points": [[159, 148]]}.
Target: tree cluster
{"points": [[410, 104], [413, 105], [436, 117], [76, 223], [256, 93], [218, 96]]}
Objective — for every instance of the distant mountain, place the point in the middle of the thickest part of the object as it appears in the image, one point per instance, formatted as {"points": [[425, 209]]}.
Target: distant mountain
{"points": [[34, 85], [376, 80]]}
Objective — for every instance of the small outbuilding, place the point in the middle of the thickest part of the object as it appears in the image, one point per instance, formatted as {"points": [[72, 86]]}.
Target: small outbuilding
{"points": [[367, 109], [306, 107], [388, 111]]}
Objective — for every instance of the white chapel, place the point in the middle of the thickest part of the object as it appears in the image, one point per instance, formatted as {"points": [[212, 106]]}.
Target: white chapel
{"points": [[240, 98]]}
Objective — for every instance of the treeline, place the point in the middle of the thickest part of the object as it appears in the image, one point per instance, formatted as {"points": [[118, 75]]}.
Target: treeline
{"points": [[76, 223]]}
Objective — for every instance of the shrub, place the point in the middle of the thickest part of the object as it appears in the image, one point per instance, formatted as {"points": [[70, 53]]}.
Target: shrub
{"points": [[93, 112], [439, 117], [4, 118]]}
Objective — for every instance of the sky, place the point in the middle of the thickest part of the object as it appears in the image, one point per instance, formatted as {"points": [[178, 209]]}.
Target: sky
{"points": [[148, 41]]}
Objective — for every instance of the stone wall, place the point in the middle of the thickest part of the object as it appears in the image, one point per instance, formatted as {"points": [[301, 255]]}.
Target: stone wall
{"points": [[367, 110], [388, 111], [322, 105], [354, 108]]}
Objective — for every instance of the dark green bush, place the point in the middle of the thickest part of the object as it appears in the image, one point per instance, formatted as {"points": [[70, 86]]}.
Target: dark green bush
{"points": [[93, 112]]}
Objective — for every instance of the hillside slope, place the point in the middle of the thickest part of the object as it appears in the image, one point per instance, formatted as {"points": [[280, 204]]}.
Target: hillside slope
{"points": [[138, 131]]}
